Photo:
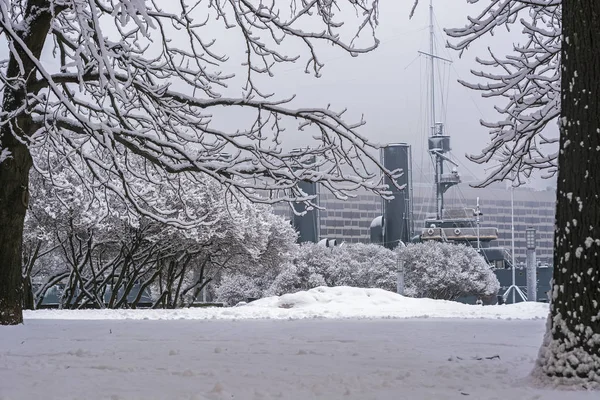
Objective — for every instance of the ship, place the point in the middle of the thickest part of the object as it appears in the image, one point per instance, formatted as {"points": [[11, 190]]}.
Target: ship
{"points": [[451, 225]]}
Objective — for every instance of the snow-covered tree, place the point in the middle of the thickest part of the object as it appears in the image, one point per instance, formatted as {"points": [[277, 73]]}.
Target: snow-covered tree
{"points": [[528, 80], [109, 250], [268, 242], [571, 348], [551, 76], [242, 238], [134, 91], [71, 227], [446, 271]]}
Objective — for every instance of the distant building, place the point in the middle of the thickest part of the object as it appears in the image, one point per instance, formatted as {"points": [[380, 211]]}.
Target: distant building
{"points": [[350, 220]]}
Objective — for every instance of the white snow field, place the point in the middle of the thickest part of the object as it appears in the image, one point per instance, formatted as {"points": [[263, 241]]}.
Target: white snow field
{"points": [[321, 302], [262, 351]]}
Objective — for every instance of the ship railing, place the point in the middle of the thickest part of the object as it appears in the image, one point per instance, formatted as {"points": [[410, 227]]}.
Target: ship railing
{"points": [[508, 257]]}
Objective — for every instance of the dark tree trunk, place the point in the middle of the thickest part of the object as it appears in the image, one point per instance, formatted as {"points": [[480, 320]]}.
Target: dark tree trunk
{"points": [[14, 174], [571, 349], [28, 263], [14, 171], [28, 297]]}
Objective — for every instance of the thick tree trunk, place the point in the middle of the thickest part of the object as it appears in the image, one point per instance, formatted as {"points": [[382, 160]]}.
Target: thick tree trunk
{"points": [[570, 353], [14, 171]]}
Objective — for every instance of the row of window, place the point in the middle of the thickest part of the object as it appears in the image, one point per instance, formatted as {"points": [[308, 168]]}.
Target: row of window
{"points": [[338, 223], [343, 233]]}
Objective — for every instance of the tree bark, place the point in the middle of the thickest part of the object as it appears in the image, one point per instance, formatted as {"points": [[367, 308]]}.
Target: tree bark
{"points": [[14, 171], [570, 353], [28, 297], [13, 188]]}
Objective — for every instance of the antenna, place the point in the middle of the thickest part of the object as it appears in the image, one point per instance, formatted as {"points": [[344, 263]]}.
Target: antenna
{"points": [[477, 214], [432, 67]]}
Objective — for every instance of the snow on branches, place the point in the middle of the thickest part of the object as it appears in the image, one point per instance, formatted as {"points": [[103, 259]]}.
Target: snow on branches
{"points": [[528, 80], [134, 91], [90, 247]]}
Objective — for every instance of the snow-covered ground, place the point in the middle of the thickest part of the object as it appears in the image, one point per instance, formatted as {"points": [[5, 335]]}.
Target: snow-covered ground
{"points": [[103, 355], [321, 302]]}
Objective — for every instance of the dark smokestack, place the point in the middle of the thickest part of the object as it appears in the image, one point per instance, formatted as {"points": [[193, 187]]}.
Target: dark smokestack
{"points": [[397, 213], [306, 225]]}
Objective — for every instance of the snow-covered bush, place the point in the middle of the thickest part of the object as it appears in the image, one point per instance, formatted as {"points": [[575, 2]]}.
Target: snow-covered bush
{"points": [[377, 266], [288, 281], [434, 270], [236, 288], [446, 271], [358, 265], [361, 265], [294, 278]]}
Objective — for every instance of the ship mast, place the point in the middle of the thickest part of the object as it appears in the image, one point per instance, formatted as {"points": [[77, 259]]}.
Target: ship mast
{"points": [[439, 143], [432, 68], [439, 165]]}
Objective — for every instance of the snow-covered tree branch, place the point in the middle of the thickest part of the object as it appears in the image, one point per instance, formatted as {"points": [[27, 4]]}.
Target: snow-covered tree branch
{"points": [[528, 80], [126, 91], [554, 75], [98, 253], [134, 91]]}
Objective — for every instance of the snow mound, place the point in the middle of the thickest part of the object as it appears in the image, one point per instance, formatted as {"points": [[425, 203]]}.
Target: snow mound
{"points": [[350, 302], [322, 302]]}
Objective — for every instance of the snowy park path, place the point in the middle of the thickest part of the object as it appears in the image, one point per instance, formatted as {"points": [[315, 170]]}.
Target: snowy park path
{"points": [[270, 359]]}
